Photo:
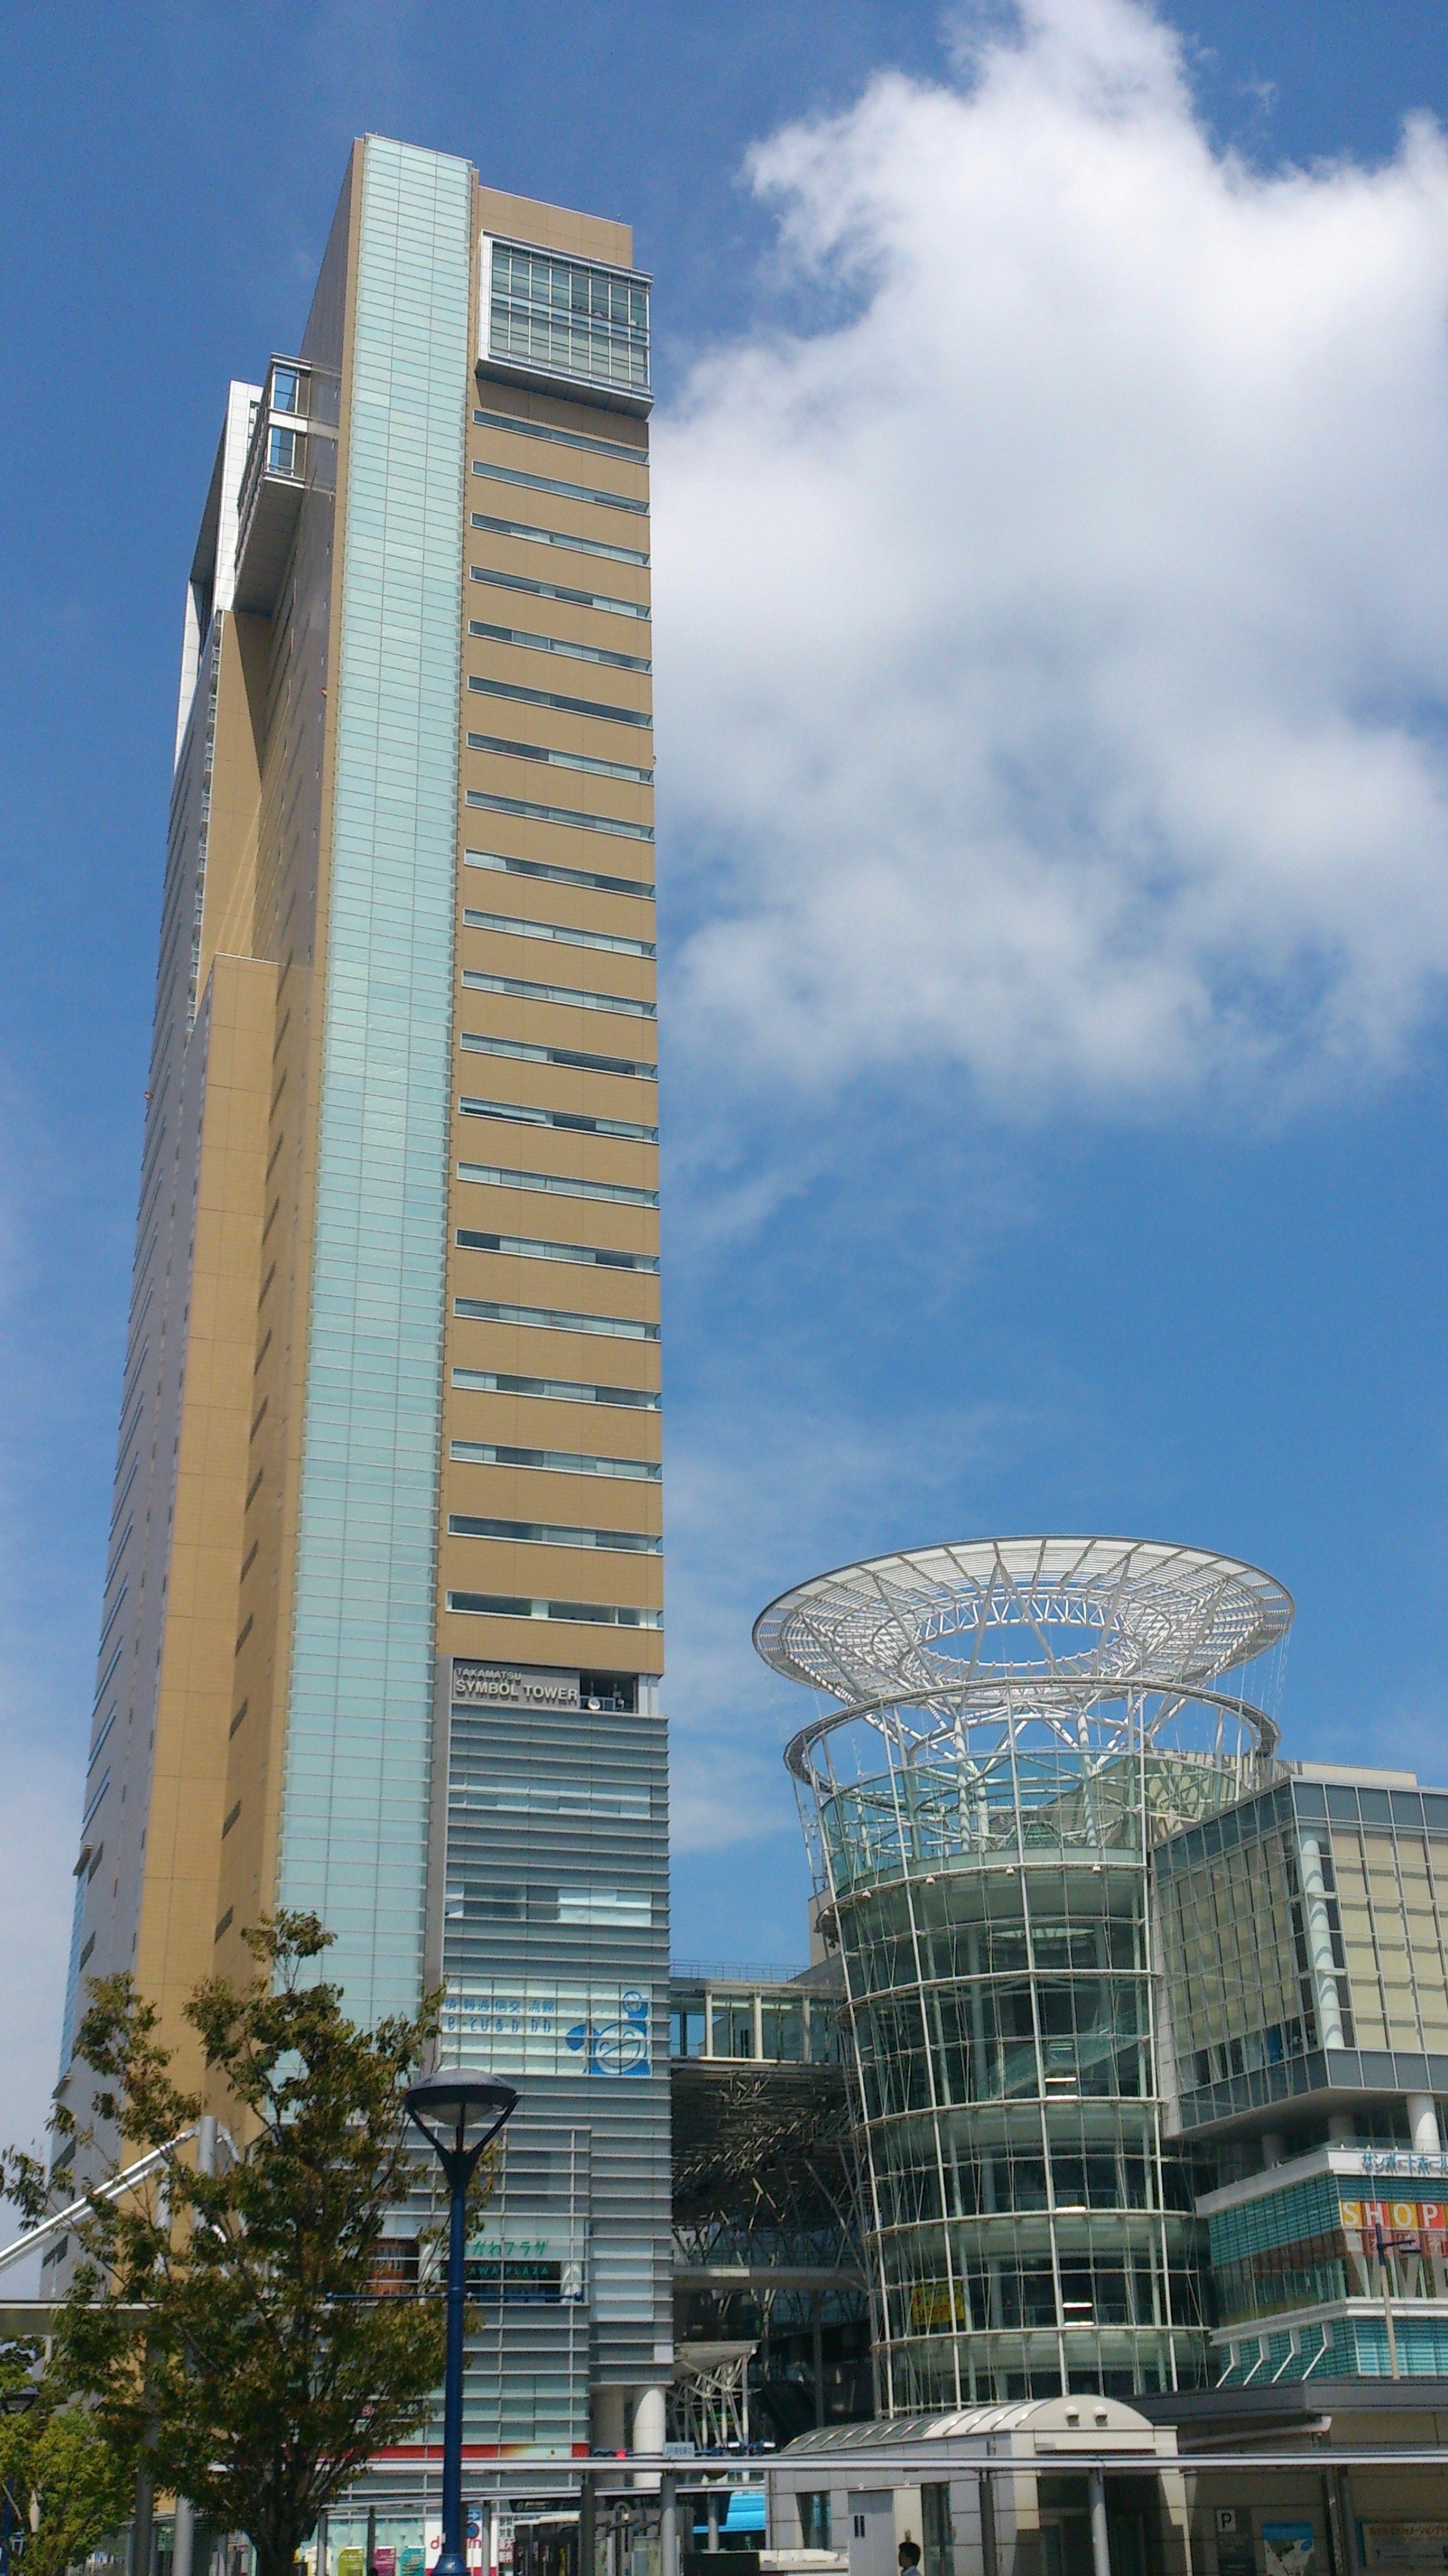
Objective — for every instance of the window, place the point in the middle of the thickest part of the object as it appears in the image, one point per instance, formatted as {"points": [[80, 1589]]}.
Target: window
{"points": [[284, 448], [514, 928], [475, 981], [566, 815], [553, 590], [539, 868], [569, 320], [571, 1122], [814, 2519], [523, 1051], [623, 1328], [571, 1462], [596, 707], [524, 532], [289, 390], [563, 1390], [548, 758], [553, 1534], [733, 2026], [561, 437], [558, 1185], [524, 637], [589, 492], [582, 1256], [686, 2036], [589, 1614]]}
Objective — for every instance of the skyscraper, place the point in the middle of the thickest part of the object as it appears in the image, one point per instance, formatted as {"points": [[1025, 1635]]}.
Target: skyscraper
{"points": [[381, 1635]]}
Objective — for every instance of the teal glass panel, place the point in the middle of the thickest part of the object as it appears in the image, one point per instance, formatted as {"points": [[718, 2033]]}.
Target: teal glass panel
{"points": [[354, 1815]]}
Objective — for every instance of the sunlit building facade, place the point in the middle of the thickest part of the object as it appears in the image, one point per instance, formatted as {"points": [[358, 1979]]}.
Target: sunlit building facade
{"points": [[382, 1626]]}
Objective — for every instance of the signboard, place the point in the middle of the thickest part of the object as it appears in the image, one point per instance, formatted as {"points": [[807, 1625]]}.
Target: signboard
{"points": [[513, 1686], [1288, 2548], [1424, 2223], [1406, 2544], [394, 2267], [543, 2028]]}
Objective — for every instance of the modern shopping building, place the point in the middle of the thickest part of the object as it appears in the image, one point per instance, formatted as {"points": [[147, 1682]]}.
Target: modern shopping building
{"points": [[382, 1623], [1146, 2026]]}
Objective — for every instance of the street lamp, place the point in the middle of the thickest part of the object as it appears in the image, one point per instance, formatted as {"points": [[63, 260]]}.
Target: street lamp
{"points": [[13, 2401], [459, 2115]]}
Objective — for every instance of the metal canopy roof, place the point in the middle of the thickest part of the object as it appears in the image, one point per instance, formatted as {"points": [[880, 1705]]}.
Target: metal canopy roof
{"points": [[1129, 1611]]}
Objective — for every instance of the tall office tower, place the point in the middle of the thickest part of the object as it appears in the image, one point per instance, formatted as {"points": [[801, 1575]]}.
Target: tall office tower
{"points": [[382, 1624]]}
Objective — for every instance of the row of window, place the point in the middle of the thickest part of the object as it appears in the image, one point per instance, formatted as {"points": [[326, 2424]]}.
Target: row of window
{"points": [[562, 1462], [531, 643], [589, 1614], [523, 1051], [550, 758], [603, 710], [565, 491], [567, 815], [553, 1534], [526, 534], [600, 600], [549, 312], [581, 1256], [546, 873], [514, 928], [627, 455], [560, 1185], [622, 1328], [561, 1390], [515, 1114], [475, 981]]}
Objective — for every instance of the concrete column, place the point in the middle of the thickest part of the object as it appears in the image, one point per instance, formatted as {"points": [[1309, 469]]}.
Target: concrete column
{"points": [[1319, 1944], [1100, 2546], [669, 2526], [711, 2509], [1423, 2125], [1341, 2129], [1272, 2147], [649, 2420]]}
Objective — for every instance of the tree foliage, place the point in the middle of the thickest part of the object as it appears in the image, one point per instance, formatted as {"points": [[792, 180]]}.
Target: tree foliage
{"points": [[68, 2482], [229, 2324]]}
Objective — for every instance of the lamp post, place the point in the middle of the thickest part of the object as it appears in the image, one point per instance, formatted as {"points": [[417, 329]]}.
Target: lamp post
{"points": [[459, 2115], [13, 2401]]}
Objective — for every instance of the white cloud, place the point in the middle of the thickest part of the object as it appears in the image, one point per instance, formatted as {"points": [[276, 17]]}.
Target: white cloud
{"points": [[1057, 622]]}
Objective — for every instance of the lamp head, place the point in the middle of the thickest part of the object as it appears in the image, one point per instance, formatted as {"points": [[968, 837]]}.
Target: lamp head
{"points": [[18, 2401], [459, 2115]]}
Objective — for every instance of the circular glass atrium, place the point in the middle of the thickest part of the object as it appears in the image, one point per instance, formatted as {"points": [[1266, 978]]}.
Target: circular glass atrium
{"points": [[1022, 1721]]}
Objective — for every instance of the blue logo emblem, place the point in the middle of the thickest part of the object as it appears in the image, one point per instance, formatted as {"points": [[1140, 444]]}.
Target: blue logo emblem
{"points": [[616, 2047]]}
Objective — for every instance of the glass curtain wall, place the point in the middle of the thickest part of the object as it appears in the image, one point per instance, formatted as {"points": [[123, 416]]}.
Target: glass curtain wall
{"points": [[984, 1847]]}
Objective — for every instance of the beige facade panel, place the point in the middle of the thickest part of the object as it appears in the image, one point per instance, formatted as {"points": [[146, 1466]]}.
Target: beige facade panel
{"points": [[528, 219], [194, 1706]]}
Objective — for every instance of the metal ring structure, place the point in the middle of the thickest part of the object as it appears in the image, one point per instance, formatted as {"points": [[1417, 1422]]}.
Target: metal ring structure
{"points": [[1108, 1610]]}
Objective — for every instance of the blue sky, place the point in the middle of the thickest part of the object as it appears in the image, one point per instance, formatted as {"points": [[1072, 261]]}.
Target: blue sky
{"points": [[1053, 843]]}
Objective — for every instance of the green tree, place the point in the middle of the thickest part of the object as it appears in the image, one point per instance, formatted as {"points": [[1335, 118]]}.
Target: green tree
{"points": [[229, 2324], [68, 2482]]}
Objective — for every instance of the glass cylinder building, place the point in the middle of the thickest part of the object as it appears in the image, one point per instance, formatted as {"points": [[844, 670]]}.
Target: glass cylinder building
{"points": [[1017, 1723]]}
